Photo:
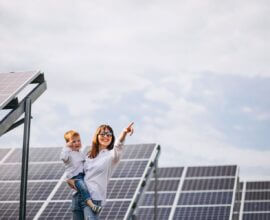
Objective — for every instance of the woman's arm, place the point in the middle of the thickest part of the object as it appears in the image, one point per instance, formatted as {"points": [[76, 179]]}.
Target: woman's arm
{"points": [[118, 147], [128, 129]]}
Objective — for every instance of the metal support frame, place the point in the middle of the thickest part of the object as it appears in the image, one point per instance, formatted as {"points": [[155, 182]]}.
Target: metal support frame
{"points": [[25, 156], [11, 118], [11, 121], [156, 189], [131, 212]]}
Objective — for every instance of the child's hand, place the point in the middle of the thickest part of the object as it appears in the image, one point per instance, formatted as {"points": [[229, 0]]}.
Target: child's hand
{"points": [[69, 145], [129, 129], [71, 184]]}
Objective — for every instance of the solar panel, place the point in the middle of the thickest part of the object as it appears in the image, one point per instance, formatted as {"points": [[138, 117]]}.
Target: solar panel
{"points": [[52, 196], [192, 193], [12, 83], [255, 203]]}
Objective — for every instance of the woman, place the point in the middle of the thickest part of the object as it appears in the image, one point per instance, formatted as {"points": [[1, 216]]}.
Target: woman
{"points": [[100, 161]]}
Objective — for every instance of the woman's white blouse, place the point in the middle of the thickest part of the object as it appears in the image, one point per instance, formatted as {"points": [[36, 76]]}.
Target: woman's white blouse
{"points": [[99, 170]]}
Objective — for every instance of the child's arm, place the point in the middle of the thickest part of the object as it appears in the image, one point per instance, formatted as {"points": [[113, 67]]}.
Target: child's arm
{"points": [[65, 153]]}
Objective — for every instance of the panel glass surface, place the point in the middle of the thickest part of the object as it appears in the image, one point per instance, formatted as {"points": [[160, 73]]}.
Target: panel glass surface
{"points": [[130, 169], [170, 172], [163, 185], [36, 154], [138, 151], [257, 195], [202, 213], [10, 191], [148, 213], [122, 189], [256, 216], [114, 210], [10, 211], [12, 83], [258, 185], [257, 206], [208, 184], [35, 171], [205, 198], [3, 153], [162, 199], [57, 210], [64, 192], [211, 171]]}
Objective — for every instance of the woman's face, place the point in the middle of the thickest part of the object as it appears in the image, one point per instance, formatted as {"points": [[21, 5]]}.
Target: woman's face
{"points": [[104, 138]]}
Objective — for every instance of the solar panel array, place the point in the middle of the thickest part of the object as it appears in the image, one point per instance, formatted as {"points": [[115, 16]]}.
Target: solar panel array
{"points": [[201, 193], [48, 196], [185, 193], [253, 202], [12, 83]]}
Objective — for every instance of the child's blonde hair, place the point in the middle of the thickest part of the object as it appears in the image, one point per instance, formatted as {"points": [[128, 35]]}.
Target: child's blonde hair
{"points": [[70, 134]]}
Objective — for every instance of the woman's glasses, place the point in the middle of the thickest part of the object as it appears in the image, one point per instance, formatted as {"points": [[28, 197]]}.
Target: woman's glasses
{"points": [[108, 134]]}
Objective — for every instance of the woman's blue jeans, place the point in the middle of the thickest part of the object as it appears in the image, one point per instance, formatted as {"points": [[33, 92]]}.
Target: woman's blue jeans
{"points": [[81, 211]]}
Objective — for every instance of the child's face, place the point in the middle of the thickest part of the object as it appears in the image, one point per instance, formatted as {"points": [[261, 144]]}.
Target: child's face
{"points": [[75, 143]]}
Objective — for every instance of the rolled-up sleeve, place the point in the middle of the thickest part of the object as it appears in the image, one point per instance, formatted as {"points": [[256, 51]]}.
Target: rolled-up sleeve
{"points": [[117, 151], [65, 153]]}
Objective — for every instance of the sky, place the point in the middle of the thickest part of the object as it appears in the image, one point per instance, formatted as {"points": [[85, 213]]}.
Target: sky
{"points": [[194, 76]]}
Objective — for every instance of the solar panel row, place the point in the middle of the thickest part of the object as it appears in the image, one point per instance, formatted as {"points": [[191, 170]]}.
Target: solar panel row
{"points": [[49, 196], [197, 193]]}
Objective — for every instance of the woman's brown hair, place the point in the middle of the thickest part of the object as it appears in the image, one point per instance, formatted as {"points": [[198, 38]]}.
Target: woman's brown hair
{"points": [[93, 152]]}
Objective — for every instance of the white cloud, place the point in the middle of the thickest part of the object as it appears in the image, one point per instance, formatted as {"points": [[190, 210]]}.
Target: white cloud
{"points": [[144, 60]]}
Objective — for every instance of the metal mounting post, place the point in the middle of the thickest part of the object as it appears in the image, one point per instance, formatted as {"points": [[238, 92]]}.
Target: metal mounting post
{"points": [[25, 154]]}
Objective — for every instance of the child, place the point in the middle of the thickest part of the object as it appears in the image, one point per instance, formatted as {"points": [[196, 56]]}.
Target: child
{"points": [[73, 160]]}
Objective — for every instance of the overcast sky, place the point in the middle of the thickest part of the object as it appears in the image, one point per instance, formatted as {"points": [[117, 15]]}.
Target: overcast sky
{"points": [[194, 76]]}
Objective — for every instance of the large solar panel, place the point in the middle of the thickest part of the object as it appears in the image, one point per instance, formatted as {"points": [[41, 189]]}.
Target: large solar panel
{"points": [[254, 203], [12, 83], [48, 196], [192, 193]]}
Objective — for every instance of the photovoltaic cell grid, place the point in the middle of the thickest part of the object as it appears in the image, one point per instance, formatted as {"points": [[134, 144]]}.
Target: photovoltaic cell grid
{"points": [[207, 193], [10, 211], [256, 200], [203, 193], [3, 153], [12, 83], [45, 180]]}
